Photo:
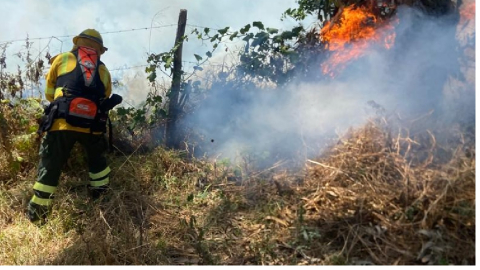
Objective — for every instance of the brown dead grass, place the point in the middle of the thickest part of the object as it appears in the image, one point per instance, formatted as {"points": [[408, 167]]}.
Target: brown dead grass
{"points": [[373, 198], [395, 200]]}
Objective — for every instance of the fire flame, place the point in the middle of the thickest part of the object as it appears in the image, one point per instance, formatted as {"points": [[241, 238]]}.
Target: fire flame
{"points": [[466, 24], [467, 13], [354, 31]]}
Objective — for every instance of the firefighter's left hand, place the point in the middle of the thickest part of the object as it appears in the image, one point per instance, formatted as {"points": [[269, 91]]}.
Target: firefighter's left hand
{"points": [[113, 101], [116, 99]]}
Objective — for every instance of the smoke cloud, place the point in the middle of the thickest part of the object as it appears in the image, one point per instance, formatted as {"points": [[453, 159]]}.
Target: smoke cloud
{"points": [[419, 75]]}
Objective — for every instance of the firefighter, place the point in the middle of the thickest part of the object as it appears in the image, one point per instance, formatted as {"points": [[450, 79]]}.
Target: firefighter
{"points": [[79, 87]]}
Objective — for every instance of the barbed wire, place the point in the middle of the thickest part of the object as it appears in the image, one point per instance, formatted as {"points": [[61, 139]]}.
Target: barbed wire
{"points": [[140, 66], [128, 67], [200, 26], [60, 37], [103, 33], [50, 38]]}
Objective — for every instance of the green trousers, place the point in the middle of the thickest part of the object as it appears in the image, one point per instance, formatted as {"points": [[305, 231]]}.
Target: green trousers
{"points": [[54, 152]]}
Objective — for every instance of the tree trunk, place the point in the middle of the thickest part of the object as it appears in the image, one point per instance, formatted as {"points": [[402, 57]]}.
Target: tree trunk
{"points": [[173, 138]]}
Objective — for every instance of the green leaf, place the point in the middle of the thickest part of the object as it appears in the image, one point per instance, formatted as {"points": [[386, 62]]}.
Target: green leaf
{"points": [[262, 35], [259, 25], [150, 68], [122, 111], [209, 54], [214, 38], [287, 35], [168, 62], [157, 99], [152, 76], [206, 30], [234, 35], [248, 37], [260, 39], [277, 39], [198, 68], [297, 30], [131, 126], [285, 50], [198, 57], [245, 29], [224, 30], [33, 128], [272, 30]]}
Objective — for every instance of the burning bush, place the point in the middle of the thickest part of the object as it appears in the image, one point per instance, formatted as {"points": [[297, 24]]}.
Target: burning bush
{"points": [[349, 35]]}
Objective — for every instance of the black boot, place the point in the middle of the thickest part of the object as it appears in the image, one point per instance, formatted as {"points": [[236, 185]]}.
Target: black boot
{"points": [[37, 213], [97, 192]]}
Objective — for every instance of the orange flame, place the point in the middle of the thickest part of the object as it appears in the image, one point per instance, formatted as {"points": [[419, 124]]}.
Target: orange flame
{"points": [[348, 39], [466, 24], [467, 13]]}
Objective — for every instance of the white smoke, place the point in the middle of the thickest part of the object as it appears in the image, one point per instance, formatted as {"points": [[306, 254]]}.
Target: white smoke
{"points": [[133, 86], [408, 80]]}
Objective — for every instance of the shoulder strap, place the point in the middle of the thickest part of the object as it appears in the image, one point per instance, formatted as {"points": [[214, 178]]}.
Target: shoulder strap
{"points": [[84, 80]]}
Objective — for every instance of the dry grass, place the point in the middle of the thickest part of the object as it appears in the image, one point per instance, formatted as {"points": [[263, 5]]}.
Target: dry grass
{"points": [[374, 198], [397, 200]]}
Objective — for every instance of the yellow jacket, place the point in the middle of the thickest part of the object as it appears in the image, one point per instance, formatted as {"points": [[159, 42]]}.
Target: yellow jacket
{"points": [[62, 64]]}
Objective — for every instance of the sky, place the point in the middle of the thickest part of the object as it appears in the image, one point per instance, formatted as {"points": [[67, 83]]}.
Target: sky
{"points": [[58, 19]]}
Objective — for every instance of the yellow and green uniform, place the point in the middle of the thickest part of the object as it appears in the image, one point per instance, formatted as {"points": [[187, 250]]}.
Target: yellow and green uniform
{"points": [[59, 140], [63, 64]]}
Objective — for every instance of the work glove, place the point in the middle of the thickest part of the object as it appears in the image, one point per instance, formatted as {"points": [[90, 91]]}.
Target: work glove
{"points": [[113, 101]]}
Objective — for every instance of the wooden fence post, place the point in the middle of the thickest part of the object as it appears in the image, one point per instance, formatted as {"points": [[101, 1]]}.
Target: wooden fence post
{"points": [[173, 140]]}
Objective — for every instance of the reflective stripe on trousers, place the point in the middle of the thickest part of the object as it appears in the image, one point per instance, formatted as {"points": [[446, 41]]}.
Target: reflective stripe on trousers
{"points": [[43, 194], [100, 179]]}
